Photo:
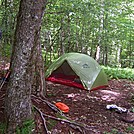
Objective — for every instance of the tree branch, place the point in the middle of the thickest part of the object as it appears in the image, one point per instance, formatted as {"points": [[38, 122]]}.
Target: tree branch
{"points": [[43, 119]]}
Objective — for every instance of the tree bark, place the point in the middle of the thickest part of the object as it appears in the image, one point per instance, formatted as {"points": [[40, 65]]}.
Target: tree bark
{"points": [[101, 28], [26, 48]]}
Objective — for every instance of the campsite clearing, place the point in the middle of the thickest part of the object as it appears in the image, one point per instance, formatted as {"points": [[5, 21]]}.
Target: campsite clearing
{"points": [[90, 108]]}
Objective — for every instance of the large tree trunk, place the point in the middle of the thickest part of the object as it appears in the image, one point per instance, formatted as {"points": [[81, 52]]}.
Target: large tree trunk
{"points": [[26, 48]]}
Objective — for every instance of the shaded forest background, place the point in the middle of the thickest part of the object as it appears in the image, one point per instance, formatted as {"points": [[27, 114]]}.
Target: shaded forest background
{"points": [[103, 29]]}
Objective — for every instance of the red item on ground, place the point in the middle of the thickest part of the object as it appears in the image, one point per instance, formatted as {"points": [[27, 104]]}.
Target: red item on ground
{"points": [[63, 107]]}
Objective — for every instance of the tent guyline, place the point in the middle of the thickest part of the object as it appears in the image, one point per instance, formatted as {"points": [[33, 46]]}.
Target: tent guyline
{"points": [[77, 70]]}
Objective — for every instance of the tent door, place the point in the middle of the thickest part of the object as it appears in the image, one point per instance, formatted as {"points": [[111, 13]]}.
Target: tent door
{"points": [[65, 69]]}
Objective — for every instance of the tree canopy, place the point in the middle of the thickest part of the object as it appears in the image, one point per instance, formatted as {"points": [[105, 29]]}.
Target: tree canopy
{"points": [[81, 26]]}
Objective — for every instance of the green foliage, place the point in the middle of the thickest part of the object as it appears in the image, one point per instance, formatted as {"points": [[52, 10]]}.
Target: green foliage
{"points": [[116, 131], [49, 57], [113, 131], [6, 51], [70, 25], [119, 73], [77, 26], [3, 128], [130, 129], [26, 128]]}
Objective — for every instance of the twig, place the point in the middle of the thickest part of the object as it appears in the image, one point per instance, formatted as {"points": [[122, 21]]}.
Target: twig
{"points": [[36, 100], [43, 119], [52, 106], [68, 121], [78, 125]]}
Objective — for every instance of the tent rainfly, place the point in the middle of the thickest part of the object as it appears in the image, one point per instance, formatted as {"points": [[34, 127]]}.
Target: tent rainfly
{"points": [[77, 70]]}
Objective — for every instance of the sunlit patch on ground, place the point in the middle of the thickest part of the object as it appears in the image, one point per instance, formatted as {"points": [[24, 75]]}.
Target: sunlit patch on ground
{"points": [[108, 95]]}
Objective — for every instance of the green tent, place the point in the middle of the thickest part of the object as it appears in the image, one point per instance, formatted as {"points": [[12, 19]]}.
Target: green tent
{"points": [[86, 71]]}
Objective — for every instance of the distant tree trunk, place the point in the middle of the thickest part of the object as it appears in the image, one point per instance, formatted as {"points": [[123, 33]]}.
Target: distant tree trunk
{"points": [[68, 46], [118, 53], [105, 55], [76, 45], [97, 54], [101, 18], [24, 69]]}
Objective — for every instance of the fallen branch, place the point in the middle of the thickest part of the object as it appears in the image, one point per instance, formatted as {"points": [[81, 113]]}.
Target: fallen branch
{"points": [[81, 127], [68, 121], [43, 119], [52, 106], [73, 124]]}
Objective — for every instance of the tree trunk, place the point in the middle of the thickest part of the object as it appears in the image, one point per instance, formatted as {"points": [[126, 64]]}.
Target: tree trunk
{"points": [[38, 86], [118, 53], [97, 54], [101, 28], [26, 42]]}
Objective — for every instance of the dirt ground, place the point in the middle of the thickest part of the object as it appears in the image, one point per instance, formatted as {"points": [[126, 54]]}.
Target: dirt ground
{"points": [[87, 108], [90, 107]]}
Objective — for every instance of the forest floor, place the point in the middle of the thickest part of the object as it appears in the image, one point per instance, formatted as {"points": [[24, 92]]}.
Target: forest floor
{"points": [[87, 109], [90, 107]]}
